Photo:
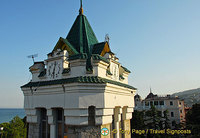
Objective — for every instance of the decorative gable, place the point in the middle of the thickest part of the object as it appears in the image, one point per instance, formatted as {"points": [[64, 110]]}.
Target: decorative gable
{"points": [[63, 44], [101, 48]]}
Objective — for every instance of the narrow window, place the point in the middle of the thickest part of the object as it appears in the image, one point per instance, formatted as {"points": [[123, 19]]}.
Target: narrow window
{"points": [[155, 102], [171, 103], [172, 114], [59, 123], [151, 103], [44, 127], [91, 117], [113, 122], [180, 111], [122, 124], [173, 123]]}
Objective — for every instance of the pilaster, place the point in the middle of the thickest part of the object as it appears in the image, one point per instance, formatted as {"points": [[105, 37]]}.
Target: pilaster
{"points": [[117, 119], [51, 120]]}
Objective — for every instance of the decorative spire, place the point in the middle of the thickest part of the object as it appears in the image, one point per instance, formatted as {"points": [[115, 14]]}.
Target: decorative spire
{"points": [[81, 8], [150, 90]]}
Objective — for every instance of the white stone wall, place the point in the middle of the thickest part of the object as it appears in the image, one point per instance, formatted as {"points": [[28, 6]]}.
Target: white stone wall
{"points": [[58, 61], [75, 100], [33, 130]]}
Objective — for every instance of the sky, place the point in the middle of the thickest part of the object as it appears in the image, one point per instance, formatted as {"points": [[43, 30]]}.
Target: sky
{"points": [[158, 40]]}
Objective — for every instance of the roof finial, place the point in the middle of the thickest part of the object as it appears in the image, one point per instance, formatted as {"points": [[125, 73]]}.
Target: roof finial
{"points": [[150, 90], [81, 8]]}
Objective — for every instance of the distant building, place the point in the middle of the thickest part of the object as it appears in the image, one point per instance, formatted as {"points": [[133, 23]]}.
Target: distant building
{"points": [[174, 105], [187, 109], [80, 90]]}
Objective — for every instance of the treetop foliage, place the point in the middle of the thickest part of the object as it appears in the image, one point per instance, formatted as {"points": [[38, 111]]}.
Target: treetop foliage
{"points": [[16, 128]]}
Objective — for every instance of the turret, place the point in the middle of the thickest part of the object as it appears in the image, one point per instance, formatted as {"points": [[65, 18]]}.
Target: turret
{"points": [[36, 69]]}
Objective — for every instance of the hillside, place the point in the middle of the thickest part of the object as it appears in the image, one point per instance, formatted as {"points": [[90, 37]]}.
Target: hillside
{"points": [[190, 96]]}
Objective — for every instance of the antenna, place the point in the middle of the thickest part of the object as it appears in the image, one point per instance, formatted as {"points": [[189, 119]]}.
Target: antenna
{"points": [[107, 38], [33, 56]]}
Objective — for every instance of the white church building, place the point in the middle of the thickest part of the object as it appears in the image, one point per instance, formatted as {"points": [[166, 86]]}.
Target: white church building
{"points": [[79, 90]]}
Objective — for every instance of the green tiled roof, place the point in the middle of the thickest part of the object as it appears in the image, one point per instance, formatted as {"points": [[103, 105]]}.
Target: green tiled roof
{"points": [[67, 70], [98, 57], [121, 77], [84, 56], [68, 46], [67, 42], [81, 42], [108, 72], [125, 69], [42, 74], [89, 69], [81, 35], [97, 48], [78, 56], [81, 79]]}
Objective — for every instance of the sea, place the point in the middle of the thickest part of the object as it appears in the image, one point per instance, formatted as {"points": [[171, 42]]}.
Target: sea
{"points": [[7, 114]]}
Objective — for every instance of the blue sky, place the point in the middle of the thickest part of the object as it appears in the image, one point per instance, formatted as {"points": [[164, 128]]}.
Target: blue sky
{"points": [[158, 40]]}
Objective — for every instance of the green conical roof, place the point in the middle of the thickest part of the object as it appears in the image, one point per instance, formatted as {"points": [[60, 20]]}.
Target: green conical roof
{"points": [[81, 35], [81, 41]]}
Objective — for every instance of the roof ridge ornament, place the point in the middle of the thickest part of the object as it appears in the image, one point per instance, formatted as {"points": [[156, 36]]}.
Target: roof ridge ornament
{"points": [[81, 8], [107, 38], [150, 90]]}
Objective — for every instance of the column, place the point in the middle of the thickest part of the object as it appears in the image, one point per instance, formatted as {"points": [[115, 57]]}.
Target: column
{"points": [[126, 116], [117, 119], [33, 118], [52, 122]]}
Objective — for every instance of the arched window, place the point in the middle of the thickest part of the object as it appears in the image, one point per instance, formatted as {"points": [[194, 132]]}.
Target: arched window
{"points": [[91, 115]]}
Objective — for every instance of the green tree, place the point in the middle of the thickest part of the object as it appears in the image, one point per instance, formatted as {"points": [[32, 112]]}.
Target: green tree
{"points": [[15, 129], [193, 120], [6, 130], [161, 119], [137, 122], [166, 119], [153, 118]]}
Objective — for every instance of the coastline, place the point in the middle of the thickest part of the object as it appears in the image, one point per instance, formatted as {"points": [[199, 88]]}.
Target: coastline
{"points": [[7, 114]]}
